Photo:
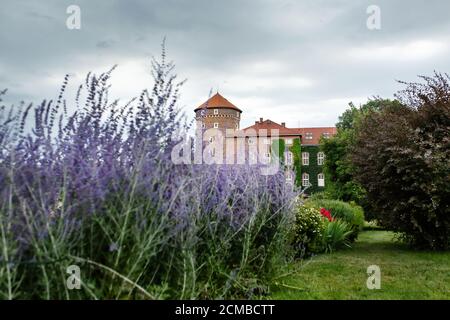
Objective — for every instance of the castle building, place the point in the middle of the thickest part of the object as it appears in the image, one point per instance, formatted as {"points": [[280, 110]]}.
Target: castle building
{"points": [[303, 159]]}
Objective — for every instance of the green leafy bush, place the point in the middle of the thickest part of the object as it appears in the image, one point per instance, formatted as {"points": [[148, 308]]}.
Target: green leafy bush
{"points": [[351, 213], [337, 234], [314, 232], [341, 183], [308, 231]]}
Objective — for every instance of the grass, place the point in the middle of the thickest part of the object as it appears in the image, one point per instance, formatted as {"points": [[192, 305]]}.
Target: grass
{"points": [[405, 273]]}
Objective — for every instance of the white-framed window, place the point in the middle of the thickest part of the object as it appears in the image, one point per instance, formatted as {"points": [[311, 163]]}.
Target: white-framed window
{"points": [[251, 141], [289, 176], [326, 135], [216, 125], [305, 158], [288, 141], [237, 114], [216, 111], [320, 158], [308, 135], [305, 179], [321, 180], [289, 158], [266, 141]]}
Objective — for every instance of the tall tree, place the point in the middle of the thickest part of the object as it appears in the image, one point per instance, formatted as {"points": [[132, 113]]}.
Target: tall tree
{"points": [[401, 157], [338, 166]]}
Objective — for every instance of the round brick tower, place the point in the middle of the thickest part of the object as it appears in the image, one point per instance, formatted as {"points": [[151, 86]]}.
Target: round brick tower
{"points": [[218, 113]]}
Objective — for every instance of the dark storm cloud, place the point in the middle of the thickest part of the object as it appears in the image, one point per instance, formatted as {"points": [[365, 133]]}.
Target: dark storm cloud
{"points": [[293, 61]]}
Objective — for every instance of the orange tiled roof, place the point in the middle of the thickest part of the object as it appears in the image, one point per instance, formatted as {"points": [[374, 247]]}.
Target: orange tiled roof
{"points": [[270, 125], [313, 135], [310, 136], [217, 102]]}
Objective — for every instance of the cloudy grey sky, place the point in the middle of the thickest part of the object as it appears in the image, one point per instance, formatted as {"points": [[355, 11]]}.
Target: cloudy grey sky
{"points": [[297, 61]]}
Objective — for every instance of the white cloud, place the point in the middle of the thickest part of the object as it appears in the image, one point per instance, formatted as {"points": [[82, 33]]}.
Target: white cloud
{"points": [[289, 60], [316, 113], [242, 82], [415, 50]]}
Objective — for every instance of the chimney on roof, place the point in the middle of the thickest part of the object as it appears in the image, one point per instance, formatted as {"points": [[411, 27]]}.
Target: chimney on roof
{"points": [[261, 120], [256, 122], [283, 124]]}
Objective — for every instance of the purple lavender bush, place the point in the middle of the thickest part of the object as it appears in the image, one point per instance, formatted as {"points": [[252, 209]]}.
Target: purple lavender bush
{"points": [[96, 188]]}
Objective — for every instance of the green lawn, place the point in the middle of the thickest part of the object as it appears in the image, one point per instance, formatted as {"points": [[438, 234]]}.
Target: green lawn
{"points": [[405, 273]]}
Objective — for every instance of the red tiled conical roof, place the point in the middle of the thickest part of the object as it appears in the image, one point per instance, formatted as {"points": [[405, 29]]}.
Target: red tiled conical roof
{"points": [[217, 102]]}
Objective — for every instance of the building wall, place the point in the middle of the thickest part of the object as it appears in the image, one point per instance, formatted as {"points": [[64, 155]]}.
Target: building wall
{"points": [[313, 169], [259, 142], [226, 118]]}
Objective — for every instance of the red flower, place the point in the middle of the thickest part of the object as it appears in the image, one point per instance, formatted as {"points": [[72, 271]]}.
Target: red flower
{"points": [[326, 213]]}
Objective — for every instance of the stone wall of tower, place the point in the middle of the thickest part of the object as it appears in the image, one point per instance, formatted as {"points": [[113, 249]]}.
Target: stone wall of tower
{"points": [[226, 118]]}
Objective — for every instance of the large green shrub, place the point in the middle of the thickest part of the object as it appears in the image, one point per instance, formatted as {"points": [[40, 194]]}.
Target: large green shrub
{"points": [[338, 167], [314, 233], [352, 214], [401, 157]]}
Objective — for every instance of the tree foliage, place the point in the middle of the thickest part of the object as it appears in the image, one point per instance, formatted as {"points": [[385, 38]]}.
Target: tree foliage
{"points": [[339, 169], [401, 157]]}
